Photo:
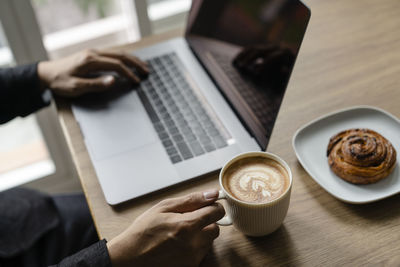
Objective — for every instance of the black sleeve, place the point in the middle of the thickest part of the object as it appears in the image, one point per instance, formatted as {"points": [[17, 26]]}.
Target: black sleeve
{"points": [[20, 93], [95, 255]]}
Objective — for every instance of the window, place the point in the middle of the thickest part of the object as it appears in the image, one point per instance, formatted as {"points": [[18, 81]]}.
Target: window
{"points": [[6, 58], [84, 24], [167, 14], [161, 9], [23, 152]]}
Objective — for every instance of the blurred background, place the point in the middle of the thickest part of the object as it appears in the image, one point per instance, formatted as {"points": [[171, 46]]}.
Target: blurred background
{"points": [[33, 151]]}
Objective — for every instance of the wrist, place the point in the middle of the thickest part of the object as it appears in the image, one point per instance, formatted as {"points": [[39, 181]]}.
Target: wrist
{"points": [[44, 74], [123, 251], [114, 251]]}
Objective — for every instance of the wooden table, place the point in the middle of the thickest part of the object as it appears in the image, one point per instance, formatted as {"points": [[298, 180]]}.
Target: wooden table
{"points": [[350, 56]]}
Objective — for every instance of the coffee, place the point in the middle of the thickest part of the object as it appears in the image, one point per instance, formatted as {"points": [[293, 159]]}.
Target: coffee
{"points": [[256, 179]]}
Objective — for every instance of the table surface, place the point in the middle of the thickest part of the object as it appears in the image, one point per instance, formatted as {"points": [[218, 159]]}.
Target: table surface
{"points": [[350, 56]]}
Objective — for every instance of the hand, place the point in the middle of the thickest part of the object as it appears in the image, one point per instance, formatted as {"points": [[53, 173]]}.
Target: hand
{"points": [[73, 76], [175, 232]]}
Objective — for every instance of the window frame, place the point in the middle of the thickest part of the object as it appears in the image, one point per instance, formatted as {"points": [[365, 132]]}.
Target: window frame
{"points": [[24, 39]]}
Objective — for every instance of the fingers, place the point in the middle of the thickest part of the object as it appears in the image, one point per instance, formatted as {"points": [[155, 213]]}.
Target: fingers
{"points": [[206, 237], [86, 85], [206, 215], [109, 64], [211, 231], [189, 202], [129, 60]]}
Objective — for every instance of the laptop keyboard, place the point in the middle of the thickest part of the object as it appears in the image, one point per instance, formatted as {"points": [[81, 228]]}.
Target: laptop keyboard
{"points": [[178, 116]]}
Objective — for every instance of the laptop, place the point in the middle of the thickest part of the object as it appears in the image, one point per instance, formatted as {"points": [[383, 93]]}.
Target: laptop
{"points": [[211, 95]]}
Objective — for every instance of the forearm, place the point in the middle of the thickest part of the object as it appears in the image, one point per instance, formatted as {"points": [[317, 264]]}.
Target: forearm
{"points": [[20, 92], [95, 255]]}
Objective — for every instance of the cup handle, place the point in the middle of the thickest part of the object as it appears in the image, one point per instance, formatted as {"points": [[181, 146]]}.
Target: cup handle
{"points": [[227, 220]]}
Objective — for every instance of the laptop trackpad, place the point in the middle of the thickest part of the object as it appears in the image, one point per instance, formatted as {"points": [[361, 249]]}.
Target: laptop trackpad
{"points": [[115, 126]]}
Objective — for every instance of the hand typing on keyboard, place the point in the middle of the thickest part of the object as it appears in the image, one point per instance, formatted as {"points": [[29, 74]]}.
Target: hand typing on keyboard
{"points": [[89, 71]]}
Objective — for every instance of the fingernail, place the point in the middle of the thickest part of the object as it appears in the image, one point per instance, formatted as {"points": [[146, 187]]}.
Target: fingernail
{"points": [[209, 195], [108, 80]]}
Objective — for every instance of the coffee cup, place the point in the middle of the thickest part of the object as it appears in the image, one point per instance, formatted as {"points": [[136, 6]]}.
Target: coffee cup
{"points": [[257, 188]]}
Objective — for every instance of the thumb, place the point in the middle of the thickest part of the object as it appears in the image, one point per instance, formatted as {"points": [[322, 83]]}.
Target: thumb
{"points": [[102, 83], [189, 202]]}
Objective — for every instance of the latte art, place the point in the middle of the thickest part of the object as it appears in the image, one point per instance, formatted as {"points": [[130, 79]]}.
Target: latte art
{"points": [[256, 180]]}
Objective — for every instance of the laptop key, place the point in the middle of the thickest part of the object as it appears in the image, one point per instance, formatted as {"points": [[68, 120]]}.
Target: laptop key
{"points": [[220, 142], [180, 98], [173, 130], [204, 117], [190, 137], [177, 138], [161, 108], [152, 94], [191, 117], [159, 127], [166, 116], [208, 123], [174, 109], [209, 147], [169, 101], [167, 142], [198, 127], [186, 129], [213, 132], [157, 102], [170, 124], [204, 139], [196, 148], [185, 151], [163, 135], [176, 159], [182, 123], [171, 151], [200, 132], [178, 115]]}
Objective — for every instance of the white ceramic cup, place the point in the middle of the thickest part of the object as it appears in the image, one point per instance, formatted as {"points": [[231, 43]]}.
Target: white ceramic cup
{"points": [[255, 219]]}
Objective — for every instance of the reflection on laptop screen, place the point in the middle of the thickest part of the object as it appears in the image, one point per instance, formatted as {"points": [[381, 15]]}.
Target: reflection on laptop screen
{"points": [[249, 49]]}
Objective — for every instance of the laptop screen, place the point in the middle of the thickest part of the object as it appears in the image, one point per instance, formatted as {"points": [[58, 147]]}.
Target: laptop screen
{"points": [[249, 49]]}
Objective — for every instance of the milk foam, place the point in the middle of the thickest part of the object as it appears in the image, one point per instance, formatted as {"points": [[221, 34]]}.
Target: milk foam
{"points": [[256, 179]]}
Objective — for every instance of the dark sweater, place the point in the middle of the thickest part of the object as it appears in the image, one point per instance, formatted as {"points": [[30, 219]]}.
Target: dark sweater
{"points": [[27, 216]]}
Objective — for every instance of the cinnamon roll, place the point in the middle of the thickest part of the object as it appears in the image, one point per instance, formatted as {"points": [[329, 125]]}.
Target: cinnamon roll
{"points": [[361, 156]]}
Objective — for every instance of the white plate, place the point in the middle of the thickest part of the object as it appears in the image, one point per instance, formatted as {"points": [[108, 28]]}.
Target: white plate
{"points": [[310, 143]]}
